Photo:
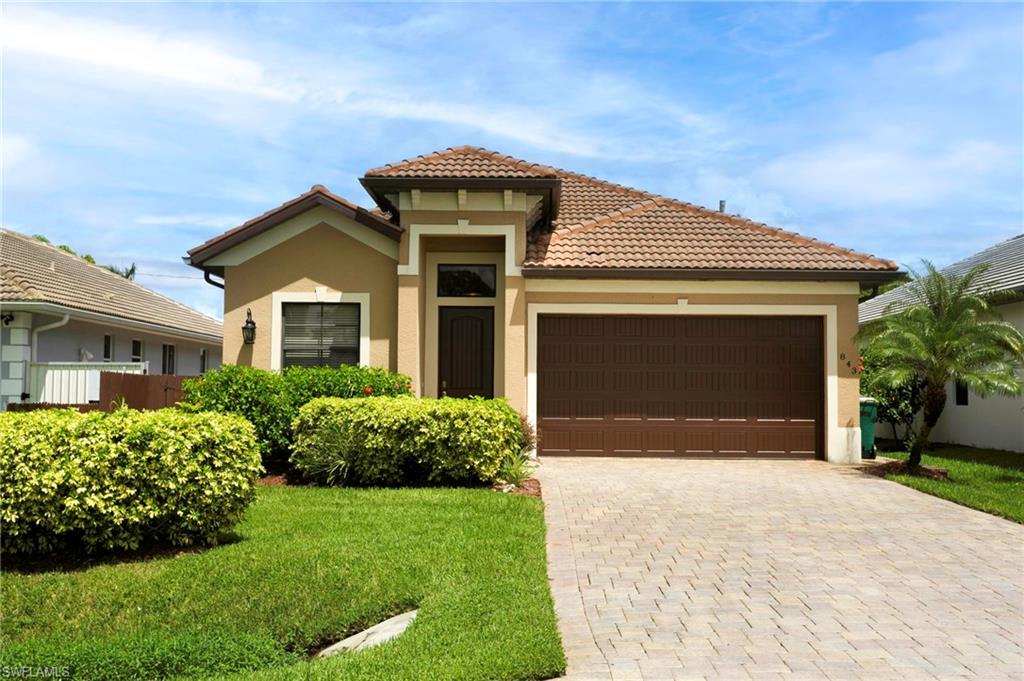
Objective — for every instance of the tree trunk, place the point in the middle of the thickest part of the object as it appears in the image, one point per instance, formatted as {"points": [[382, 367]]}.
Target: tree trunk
{"points": [[934, 403]]}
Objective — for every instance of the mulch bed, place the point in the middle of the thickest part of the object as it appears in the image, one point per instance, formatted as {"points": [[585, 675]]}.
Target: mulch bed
{"points": [[529, 488], [884, 467]]}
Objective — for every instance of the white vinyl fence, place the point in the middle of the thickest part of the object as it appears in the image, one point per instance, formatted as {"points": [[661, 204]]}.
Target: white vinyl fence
{"points": [[73, 382]]}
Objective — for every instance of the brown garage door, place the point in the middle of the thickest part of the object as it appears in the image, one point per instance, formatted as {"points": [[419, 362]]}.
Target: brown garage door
{"points": [[680, 386]]}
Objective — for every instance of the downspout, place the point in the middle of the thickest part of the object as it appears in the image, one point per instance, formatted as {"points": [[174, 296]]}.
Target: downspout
{"points": [[35, 348], [211, 282]]}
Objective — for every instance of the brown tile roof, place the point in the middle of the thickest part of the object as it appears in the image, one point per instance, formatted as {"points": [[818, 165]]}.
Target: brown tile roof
{"points": [[465, 161], [34, 271], [663, 234], [600, 224], [316, 195]]}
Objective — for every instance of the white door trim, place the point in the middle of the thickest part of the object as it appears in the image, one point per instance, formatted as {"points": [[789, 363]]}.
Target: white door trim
{"points": [[433, 311], [463, 228], [837, 443], [319, 295]]}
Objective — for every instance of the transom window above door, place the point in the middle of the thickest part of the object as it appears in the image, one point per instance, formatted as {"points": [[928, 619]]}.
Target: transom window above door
{"points": [[466, 281], [320, 334]]}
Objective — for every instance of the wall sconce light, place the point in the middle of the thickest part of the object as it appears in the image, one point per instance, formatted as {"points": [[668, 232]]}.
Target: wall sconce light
{"points": [[249, 328], [7, 318]]}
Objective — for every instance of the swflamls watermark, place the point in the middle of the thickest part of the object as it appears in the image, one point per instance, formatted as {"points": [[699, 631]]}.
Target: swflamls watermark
{"points": [[27, 672]]}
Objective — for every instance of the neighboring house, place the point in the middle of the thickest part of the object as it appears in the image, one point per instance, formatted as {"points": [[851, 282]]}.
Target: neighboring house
{"points": [[619, 321], [996, 421], [62, 320]]}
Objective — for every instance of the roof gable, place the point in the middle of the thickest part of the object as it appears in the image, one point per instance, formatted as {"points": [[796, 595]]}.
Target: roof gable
{"points": [[318, 195], [36, 272]]}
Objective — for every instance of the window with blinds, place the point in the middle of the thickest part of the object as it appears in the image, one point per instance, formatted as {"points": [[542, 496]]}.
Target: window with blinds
{"points": [[320, 334]]}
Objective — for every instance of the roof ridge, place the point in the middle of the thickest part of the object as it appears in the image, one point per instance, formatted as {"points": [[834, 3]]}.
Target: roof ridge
{"points": [[621, 188], [518, 163], [104, 270], [583, 225], [867, 258]]}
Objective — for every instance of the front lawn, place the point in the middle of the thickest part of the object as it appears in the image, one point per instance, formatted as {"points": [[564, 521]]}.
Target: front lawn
{"points": [[986, 479], [308, 566]]}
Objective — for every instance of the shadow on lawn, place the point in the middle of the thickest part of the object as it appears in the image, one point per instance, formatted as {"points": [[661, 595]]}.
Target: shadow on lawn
{"points": [[79, 563], [991, 457]]}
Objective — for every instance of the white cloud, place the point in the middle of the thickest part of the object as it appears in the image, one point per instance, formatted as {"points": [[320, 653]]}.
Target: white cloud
{"points": [[741, 197], [595, 114], [14, 150], [876, 172], [137, 50], [192, 220]]}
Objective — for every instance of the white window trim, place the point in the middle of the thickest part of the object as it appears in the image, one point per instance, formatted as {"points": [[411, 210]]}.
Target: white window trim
{"points": [[842, 445], [319, 295], [463, 228]]}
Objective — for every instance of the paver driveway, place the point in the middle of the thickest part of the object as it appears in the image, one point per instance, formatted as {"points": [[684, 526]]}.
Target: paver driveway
{"points": [[667, 569]]}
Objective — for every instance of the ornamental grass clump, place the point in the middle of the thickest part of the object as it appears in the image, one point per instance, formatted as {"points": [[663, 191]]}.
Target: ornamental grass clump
{"points": [[110, 482]]}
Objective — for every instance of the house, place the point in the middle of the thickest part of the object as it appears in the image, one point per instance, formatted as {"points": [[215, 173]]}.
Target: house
{"points": [[995, 421], [620, 322], [63, 320]]}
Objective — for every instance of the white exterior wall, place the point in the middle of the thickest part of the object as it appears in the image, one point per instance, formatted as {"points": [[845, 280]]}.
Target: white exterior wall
{"points": [[65, 344], [994, 422], [15, 346]]}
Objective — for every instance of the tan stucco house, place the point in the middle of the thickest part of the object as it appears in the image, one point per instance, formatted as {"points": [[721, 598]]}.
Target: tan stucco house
{"points": [[621, 322]]}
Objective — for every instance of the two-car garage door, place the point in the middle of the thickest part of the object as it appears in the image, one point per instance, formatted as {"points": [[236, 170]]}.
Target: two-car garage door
{"points": [[680, 386]]}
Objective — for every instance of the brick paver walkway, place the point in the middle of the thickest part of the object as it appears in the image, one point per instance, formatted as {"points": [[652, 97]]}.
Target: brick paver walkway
{"points": [[667, 569]]}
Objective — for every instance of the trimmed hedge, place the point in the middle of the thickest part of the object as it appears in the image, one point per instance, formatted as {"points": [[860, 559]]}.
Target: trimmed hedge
{"points": [[271, 400], [113, 481], [404, 440]]}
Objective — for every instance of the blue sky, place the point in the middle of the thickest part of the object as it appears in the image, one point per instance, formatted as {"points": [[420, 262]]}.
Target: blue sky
{"points": [[133, 132]]}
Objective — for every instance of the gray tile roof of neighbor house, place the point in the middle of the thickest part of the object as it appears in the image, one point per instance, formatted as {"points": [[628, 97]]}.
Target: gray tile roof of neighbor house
{"points": [[32, 271], [1005, 273]]}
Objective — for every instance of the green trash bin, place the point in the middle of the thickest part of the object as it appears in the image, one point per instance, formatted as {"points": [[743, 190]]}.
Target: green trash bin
{"points": [[868, 418]]}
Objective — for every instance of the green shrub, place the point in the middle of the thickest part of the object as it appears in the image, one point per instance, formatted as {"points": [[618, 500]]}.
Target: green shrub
{"points": [[897, 404], [403, 440], [271, 400], [113, 481], [260, 396]]}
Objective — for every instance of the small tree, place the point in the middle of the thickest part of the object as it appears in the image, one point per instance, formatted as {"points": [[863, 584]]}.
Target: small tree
{"points": [[897, 404], [946, 333]]}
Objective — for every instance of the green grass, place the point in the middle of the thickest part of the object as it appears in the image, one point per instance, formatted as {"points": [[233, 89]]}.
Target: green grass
{"points": [[308, 566], [989, 480]]}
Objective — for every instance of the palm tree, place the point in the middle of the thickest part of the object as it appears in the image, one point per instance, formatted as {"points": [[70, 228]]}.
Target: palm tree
{"points": [[126, 272], [947, 333]]}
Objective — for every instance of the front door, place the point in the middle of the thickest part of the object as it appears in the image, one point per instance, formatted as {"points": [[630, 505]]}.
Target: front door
{"points": [[466, 351]]}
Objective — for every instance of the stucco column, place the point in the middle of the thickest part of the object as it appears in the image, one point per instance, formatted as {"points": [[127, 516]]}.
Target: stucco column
{"points": [[410, 324], [515, 342]]}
